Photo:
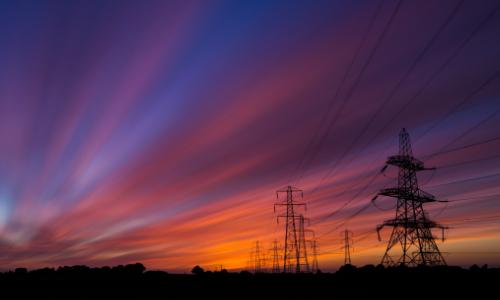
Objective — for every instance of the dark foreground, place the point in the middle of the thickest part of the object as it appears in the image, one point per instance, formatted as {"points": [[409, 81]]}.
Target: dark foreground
{"points": [[133, 281]]}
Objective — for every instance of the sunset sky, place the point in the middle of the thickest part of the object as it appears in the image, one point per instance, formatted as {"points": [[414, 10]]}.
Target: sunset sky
{"points": [[159, 131]]}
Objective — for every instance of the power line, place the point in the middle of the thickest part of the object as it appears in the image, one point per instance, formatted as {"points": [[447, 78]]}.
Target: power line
{"points": [[474, 92], [363, 208], [365, 66], [467, 98], [363, 189], [487, 219], [438, 71], [442, 210], [374, 202], [349, 201], [355, 214], [466, 146], [454, 54], [469, 161], [337, 92], [363, 236], [400, 82], [467, 180], [473, 198], [482, 86], [489, 117], [320, 220]]}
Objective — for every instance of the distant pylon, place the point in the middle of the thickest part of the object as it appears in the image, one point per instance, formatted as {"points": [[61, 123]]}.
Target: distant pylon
{"points": [[291, 253], [314, 248], [303, 259], [276, 257], [411, 226], [347, 247], [258, 259]]}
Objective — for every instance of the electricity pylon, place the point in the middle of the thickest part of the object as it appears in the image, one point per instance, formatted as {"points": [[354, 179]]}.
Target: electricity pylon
{"points": [[259, 259], [303, 259], [256, 259], [347, 247], [411, 226], [314, 248], [291, 253], [276, 257]]}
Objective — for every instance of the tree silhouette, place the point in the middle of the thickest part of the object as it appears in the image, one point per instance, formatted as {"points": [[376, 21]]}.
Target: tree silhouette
{"points": [[197, 270]]}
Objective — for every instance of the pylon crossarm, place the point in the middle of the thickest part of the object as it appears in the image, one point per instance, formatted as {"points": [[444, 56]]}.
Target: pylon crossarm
{"points": [[390, 192], [409, 223], [406, 162], [289, 189], [296, 217], [427, 196], [285, 204], [278, 218], [400, 193]]}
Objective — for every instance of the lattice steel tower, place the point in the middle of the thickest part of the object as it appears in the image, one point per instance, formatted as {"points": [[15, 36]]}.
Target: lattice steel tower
{"points": [[276, 257], [314, 247], [291, 253], [347, 246], [412, 229], [303, 259], [258, 259]]}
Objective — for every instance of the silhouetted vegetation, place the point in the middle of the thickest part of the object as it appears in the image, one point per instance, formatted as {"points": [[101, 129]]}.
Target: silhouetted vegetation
{"points": [[133, 279], [197, 270]]}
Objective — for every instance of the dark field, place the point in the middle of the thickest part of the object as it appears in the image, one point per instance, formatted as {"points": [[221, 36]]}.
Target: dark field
{"points": [[133, 281]]}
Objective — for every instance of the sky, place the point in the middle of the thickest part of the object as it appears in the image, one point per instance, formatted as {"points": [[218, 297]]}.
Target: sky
{"points": [[159, 131]]}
